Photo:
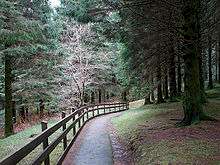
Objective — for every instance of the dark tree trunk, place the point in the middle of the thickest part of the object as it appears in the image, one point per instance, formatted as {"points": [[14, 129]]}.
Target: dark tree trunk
{"points": [[152, 91], [201, 78], [86, 98], [147, 99], [13, 111], [152, 96], [107, 96], [172, 76], [41, 106], [100, 95], [166, 93], [216, 61], [83, 95], [210, 85], [218, 31], [192, 96], [103, 95], [179, 79], [159, 85], [92, 97], [27, 113], [201, 66], [218, 26], [22, 113], [124, 95], [8, 97]]}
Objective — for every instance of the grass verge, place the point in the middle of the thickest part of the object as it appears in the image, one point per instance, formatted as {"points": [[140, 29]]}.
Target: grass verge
{"points": [[150, 133]]}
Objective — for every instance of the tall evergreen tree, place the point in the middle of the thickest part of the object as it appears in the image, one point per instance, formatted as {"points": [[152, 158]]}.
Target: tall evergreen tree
{"points": [[17, 35], [192, 95]]}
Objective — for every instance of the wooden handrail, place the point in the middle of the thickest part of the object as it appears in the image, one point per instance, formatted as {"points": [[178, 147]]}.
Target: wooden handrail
{"points": [[83, 113]]}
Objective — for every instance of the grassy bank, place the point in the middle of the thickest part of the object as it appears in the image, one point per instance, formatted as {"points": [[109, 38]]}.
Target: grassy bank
{"points": [[150, 132], [11, 144]]}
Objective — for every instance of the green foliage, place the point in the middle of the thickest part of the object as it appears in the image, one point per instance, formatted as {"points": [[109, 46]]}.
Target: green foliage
{"points": [[31, 38], [78, 9]]}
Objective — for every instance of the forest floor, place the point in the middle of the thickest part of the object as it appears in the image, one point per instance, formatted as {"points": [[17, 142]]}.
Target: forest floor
{"points": [[32, 121], [150, 134]]}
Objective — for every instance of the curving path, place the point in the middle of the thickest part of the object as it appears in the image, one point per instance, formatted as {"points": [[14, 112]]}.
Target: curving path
{"points": [[93, 145]]}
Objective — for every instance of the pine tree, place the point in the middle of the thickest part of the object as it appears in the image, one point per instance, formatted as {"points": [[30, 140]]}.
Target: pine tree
{"points": [[17, 35], [192, 94]]}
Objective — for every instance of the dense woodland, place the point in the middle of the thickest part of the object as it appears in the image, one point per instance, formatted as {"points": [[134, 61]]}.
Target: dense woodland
{"points": [[93, 51]]}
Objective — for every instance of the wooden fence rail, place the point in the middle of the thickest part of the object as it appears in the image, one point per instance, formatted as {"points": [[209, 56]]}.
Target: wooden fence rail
{"points": [[78, 117]]}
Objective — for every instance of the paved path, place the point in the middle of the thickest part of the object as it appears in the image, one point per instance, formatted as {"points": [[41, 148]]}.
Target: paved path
{"points": [[92, 146]]}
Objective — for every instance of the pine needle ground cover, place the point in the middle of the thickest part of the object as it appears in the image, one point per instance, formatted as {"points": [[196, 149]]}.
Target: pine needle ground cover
{"points": [[150, 133]]}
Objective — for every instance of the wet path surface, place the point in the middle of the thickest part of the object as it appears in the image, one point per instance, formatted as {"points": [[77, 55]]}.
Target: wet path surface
{"points": [[93, 145]]}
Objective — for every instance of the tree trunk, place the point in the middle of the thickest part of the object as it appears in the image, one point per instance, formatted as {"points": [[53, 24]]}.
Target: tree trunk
{"points": [[172, 76], [192, 96], [179, 79], [107, 96], [218, 31], [210, 85], [201, 77], [103, 95], [22, 114], [86, 98], [166, 93], [14, 111], [147, 99], [92, 97], [100, 96], [216, 61], [201, 66], [8, 97], [159, 86], [152, 91], [218, 26], [41, 106], [124, 95], [82, 95]]}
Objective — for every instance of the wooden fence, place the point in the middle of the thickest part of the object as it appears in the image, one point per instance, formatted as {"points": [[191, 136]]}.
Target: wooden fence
{"points": [[78, 117]]}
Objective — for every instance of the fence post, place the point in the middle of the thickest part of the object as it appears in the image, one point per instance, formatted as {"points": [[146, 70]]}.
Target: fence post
{"points": [[74, 127], [97, 110], [93, 113], [83, 116], [87, 113], [127, 105], [45, 142], [79, 122], [64, 127], [104, 108]]}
